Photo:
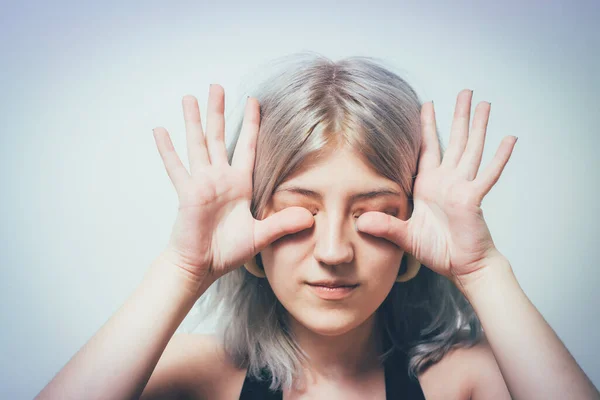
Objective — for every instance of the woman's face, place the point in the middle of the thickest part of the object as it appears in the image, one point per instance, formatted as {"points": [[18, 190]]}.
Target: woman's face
{"points": [[336, 190]]}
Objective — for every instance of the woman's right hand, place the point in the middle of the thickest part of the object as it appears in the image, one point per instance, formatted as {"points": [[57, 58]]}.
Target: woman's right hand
{"points": [[215, 232]]}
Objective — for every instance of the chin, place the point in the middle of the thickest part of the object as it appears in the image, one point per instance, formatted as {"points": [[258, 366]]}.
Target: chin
{"points": [[328, 322]]}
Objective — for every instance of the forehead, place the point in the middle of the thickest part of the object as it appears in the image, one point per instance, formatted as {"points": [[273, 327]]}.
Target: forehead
{"points": [[340, 171]]}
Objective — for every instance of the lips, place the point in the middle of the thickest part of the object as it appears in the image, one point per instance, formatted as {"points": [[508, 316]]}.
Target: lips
{"points": [[333, 291], [333, 284]]}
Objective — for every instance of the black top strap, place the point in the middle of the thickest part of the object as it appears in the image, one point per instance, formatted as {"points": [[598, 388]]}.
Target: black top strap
{"points": [[398, 384], [259, 389]]}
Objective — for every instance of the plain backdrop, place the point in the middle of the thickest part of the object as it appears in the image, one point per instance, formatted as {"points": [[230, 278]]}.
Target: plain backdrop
{"points": [[87, 204]]}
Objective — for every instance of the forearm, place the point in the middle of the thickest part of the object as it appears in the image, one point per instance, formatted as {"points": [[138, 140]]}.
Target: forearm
{"points": [[534, 362], [117, 362]]}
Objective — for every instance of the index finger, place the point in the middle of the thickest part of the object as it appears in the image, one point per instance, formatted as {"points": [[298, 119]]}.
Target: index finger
{"points": [[430, 147], [245, 148]]}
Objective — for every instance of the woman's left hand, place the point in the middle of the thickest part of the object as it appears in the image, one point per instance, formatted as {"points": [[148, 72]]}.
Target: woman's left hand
{"points": [[446, 231]]}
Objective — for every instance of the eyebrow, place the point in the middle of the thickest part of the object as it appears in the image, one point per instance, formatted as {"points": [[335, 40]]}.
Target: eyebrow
{"points": [[380, 192]]}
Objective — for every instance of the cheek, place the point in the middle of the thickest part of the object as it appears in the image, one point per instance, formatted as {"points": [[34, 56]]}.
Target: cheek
{"points": [[288, 250], [379, 274], [380, 259], [283, 261]]}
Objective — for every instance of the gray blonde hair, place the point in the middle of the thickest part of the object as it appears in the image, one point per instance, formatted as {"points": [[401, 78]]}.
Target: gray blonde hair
{"points": [[308, 105]]}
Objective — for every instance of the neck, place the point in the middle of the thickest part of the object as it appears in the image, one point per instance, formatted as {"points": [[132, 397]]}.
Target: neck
{"points": [[350, 355]]}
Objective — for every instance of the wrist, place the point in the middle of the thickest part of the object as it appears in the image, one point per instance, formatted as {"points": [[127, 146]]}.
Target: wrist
{"points": [[166, 270], [494, 271]]}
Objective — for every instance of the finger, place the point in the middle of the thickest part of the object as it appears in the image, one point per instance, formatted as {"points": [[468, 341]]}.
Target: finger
{"points": [[385, 226], [460, 129], [245, 149], [490, 175], [175, 168], [471, 159], [284, 222], [430, 147], [215, 126], [196, 144]]}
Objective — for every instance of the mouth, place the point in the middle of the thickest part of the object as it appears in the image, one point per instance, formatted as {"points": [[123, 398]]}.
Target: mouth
{"points": [[332, 292], [332, 283], [332, 286]]}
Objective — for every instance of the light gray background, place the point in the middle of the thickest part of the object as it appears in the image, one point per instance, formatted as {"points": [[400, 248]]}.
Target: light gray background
{"points": [[87, 204]]}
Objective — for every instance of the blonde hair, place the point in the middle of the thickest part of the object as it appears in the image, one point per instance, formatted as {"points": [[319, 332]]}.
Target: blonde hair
{"points": [[310, 104]]}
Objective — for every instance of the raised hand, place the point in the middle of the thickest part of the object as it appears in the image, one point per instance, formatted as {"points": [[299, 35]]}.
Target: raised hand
{"points": [[214, 231], [447, 231]]}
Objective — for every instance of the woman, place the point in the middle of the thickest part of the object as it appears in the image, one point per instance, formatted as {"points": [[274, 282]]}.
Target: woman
{"points": [[352, 195]]}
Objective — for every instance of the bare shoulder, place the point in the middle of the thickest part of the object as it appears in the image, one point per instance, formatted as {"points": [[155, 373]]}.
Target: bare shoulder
{"points": [[465, 373], [194, 366]]}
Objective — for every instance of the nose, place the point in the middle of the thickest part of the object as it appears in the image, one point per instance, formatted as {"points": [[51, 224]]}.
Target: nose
{"points": [[333, 236]]}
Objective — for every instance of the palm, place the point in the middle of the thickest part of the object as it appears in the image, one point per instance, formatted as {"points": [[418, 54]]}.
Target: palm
{"points": [[216, 226], [446, 231]]}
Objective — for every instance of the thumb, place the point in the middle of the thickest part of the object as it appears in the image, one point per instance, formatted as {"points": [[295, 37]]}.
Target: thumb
{"points": [[385, 226], [284, 222]]}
